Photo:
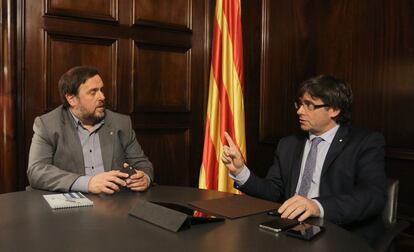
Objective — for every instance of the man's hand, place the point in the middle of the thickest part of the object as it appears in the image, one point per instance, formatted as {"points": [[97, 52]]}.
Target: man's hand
{"points": [[107, 182], [299, 205], [231, 156], [137, 182]]}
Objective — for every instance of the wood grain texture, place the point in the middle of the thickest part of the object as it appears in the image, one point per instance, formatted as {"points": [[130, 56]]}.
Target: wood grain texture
{"points": [[173, 13], [89, 9], [8, 98], [173, 168], [97, 52], [162, 79]]}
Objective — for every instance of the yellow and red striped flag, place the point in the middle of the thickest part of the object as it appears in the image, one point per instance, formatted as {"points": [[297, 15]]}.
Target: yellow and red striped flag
{"points": [[225, 110]]}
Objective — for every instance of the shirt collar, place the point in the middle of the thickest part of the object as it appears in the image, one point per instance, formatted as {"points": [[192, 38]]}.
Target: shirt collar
{"points": [[327, 136]]}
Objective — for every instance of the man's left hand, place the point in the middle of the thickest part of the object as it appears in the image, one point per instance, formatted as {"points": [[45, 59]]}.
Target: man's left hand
{"points": [[299, 205], [138, 182]]}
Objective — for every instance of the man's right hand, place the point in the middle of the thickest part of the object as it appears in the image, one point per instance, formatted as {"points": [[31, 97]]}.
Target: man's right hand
{"points": [[231, 156], [107, 182]]}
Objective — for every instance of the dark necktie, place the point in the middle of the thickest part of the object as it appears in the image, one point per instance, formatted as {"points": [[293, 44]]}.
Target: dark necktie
{"points": [[309, 167]]}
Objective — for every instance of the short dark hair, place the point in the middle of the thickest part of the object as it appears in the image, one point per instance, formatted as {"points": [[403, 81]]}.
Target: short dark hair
{"points": [[332, 91], [71, 80]]}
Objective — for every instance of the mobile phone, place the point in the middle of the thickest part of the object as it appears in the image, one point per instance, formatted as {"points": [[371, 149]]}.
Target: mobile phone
{"points": [[129, 170], [273, 213], [279, 224], [304, 231]]}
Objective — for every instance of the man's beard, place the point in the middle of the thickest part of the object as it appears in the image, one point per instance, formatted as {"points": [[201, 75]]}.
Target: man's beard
{"points": [[95, 118], [91, 118]]}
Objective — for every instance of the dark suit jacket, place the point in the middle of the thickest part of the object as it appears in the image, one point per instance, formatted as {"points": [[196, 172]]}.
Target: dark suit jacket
{"points": [[56, 158], [352, 184]]}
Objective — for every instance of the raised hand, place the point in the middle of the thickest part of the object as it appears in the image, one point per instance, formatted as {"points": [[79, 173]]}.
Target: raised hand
{"points": [[231, 156]]}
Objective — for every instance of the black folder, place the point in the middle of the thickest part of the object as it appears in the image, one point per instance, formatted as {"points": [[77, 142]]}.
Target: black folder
{"points": [[171, 216], [235, 206]]}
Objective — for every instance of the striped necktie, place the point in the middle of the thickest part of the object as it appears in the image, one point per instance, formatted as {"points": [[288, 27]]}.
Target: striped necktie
{"points": [[309, 167]]}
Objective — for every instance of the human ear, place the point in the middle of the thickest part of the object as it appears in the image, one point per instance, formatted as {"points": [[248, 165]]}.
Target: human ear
{"points": [[72, 99], [333, 112]]}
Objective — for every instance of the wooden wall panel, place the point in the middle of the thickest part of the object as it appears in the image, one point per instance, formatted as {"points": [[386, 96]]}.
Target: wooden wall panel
{"points": [[64, 52], [259, 150], [161, 79], [173, 143], [9, 137], [347, 39], [281, 70], [90, 9], [173, 13], [152, 58]]}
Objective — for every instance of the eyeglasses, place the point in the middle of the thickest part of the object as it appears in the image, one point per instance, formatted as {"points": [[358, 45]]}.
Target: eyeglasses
{"points": [[308, 105]]}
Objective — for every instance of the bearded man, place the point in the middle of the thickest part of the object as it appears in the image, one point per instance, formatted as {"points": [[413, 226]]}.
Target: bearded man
{"points": [[81, 146]]}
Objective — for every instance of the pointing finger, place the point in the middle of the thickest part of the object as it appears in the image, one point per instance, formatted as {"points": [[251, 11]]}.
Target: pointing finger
{"points": [[229, 140]]}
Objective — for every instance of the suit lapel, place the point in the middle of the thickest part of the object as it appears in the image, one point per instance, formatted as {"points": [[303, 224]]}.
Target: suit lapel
{"points": [[296, 164], [73, 140], [338, 143], [106, 139]]}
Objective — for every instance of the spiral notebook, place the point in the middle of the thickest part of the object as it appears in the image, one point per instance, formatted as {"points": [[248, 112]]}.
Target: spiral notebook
{"points": [[67, 200]]}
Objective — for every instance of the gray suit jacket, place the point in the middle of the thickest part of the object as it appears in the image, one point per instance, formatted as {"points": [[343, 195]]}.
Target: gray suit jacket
{"points": [[56, 158]]}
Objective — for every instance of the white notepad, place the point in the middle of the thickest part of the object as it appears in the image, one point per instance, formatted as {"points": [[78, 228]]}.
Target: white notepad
{"points": [[67, 200]]}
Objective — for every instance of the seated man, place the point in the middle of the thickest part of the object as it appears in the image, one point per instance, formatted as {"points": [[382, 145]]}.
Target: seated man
{"points": [[80, 146], [332, 171]]}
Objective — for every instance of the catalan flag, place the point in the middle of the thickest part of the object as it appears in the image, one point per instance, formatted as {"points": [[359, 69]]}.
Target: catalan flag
{"points": [[225, 110]]}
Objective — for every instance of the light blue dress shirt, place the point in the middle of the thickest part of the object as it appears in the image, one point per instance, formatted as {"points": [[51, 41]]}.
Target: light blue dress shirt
{"points": [[92, 154]]}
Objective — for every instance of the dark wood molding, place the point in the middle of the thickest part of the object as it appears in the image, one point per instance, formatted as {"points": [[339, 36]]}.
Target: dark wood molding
{"points": [[398, 153], [207, 38], [162, 26], [50, 37], [111, 16], [279, 71], [8, 98], [163, 20], [175, 146], [153, 35], [148, 81], [150, 120], [264, 66]]}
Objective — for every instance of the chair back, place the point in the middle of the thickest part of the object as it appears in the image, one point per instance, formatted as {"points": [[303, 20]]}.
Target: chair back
{"points": [[389, 214]]}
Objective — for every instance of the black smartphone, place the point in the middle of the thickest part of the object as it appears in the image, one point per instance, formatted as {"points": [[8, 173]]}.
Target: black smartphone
{"points": [[273, 213], [305, 231], [279, 224], [129, 170]]}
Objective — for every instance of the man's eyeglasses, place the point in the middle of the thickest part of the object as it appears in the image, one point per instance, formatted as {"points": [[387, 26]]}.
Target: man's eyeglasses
{"points": [[309, 105]]}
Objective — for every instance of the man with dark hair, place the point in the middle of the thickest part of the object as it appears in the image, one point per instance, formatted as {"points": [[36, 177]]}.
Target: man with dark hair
{"points": [[81, 146], [332, 171]]}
